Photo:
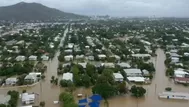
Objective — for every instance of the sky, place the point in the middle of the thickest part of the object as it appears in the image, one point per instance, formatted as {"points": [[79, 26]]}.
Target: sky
{"points": [[120, 8]]}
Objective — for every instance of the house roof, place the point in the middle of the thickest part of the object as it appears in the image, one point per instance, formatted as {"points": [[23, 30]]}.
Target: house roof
{"points": [[27, 97], [4, 99], [136, 79], [141, 55], [84, 65], [67, 76], [132, 71], [117, 75], [124, 64]]}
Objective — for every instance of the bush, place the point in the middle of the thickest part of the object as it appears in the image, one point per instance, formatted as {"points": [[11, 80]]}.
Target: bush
{"points": [[65, 83], [168, 89]]}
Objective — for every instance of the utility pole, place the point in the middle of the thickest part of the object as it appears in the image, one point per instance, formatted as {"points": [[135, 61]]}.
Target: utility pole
{"points": [[155, 88]]}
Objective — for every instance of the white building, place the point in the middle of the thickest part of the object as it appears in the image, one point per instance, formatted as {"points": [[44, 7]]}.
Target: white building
{"points": [[186, 54], [174, 95], [141, 55], [84, 65], [91, 58], [101, 56], [4, 99], [28, 98], [33, 77], [68, 57], [136, 79], [11, 81], [67, 76], [108, 65], [70, 45], [133, 72], [118, 77], [124, 65], [20, 58], [32, 58], [45, 58], [145, 72], [174, 59], [79, 57]]}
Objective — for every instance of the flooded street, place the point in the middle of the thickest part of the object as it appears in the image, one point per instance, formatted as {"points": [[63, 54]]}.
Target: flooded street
{"points": [[158, 85]]}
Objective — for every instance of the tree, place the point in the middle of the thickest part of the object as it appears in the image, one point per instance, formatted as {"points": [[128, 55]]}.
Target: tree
{"points": [[56, 81], [105, 90], [170, 72], [43, 77], [90, 69], [137, 91], [86, 80], [71, 104], [52, 79], [122, 88], [23, 91], [168, 89], [66, 97], [42, 104]]}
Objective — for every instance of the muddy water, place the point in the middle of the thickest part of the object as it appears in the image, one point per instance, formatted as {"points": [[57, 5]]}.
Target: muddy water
{"points": [[159, 83]]}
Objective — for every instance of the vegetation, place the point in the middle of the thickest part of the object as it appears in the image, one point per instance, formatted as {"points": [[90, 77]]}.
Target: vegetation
{"points": [[42, 104], [137, 91], [67, 99], [168, 89], [14, 98]]}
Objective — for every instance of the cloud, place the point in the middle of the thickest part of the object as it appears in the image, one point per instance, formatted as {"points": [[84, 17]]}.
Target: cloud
{"points": [[177, 8]]}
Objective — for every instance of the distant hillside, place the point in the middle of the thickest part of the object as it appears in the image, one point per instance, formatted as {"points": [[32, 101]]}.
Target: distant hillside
{"points": [[33, 11]]}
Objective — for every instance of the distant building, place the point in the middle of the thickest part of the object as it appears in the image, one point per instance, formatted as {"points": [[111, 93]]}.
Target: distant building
{"points": [[123, 65], [68, 57], [33, 77], [20, 58], [32, 58], [101, 56], [140, 55], [45, 58], [84, 65], [133, 72], [67, 76], [11, 81], [4, 99], [28, 98], [181, 76], [118, 77], [108, 65]]}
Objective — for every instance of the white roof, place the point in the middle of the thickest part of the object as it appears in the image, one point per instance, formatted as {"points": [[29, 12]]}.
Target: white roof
{"points": [[68, 56], [117, 75], [132, 71], [124, 64], [141, 55], [67, 76], [27, 106], [175, 93], [136, 79], [27, 97], [180, 72], [84, 65], [11, 79], [145, 71], [101, 55]]}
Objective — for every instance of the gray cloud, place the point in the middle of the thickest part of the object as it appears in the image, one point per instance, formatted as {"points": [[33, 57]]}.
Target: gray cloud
{"points": [[177, 8]]}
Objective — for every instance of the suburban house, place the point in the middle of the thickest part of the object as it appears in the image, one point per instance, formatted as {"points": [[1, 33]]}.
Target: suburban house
{"points": [[67, 76], [133, 72], [118, 77], [32, 77], [20, 58], [108, 65], [90, 58], [140, 55], [11, 81], [45, 58], [70, 45], [27, 98], [136, 79], [4, 99], [68, 57], [174, 59], [181, 76], [84, 65], [186, 54], [68, 51], [32, 58], [101, 56], [123, 65], [79, 57], [145, 72]]}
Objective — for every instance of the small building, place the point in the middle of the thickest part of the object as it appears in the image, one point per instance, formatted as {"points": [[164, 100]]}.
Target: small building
{"points": [[79, 57], [20, 58], [101, 56], [28, 98], [186, 54], [4, 99], [45, 58], [32, 58], [33, 77], [136, 79], [118, 77], [68, 51], [123, 65], [11, 81], [90, 58], [174, 95], [68, 57], [70, 45], [84, 65], [174, 59], [133, 72], [67, 76], [145, 72], [108, 65], [180, 76], [140, 55]]}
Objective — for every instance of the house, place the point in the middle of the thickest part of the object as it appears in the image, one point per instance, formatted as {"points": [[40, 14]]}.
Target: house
{"points": [[68, 57], [181, 76], [68, 51], [4, 99], [186, 54], [174, 55], [32, 58], [67, 76], [174, 59], [101, 56], [145, 72], [27, 98], [174, 95], [70, 45], [118, 77], [116, 57], [140, 55], [20, 58], [11, 81], [123, 65], [136, 79], [45, 58], [79, 57], [133, 72], [108, 65], [90, 58], [33, 77], [84, 65]]}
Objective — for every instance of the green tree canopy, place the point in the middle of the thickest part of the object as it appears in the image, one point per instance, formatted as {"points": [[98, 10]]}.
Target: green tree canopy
{"points": [[137, 91]]}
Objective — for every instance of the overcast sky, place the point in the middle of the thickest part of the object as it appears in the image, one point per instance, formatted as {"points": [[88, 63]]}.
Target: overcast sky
{"points": [[159, 8]]}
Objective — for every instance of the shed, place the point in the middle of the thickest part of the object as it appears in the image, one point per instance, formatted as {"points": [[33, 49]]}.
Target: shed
{"points": [[67, 76], [118, 77]]}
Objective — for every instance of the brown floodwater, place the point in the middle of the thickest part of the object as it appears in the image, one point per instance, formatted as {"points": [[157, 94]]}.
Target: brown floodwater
{"points": [[49, 93]]}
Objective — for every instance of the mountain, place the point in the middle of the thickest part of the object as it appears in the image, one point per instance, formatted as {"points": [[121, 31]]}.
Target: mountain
{"points": [[33, 11]]}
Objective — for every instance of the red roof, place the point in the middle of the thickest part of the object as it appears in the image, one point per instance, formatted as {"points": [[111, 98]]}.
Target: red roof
{"points": [[181, 79]]}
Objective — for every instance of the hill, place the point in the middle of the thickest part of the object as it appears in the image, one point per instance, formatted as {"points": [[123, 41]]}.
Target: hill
{"points": [[33, 11]]}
